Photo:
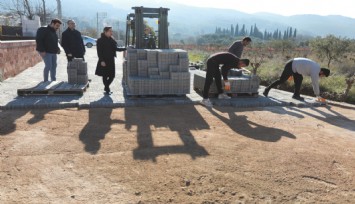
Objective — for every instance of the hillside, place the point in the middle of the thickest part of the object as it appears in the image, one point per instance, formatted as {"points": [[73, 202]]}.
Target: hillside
{"points": [[195, 20]]}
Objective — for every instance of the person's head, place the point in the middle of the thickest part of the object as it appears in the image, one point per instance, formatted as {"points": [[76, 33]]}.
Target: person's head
{"points": [[246, 41], [243, 63], [108, 31], [71, 24], [147, 31], [55, 23], [324, 72]]}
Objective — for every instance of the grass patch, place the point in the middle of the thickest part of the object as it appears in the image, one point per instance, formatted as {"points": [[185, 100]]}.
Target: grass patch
{"points": [[198, 56]]}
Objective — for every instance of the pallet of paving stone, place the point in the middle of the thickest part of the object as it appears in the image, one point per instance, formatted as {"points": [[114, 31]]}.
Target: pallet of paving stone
{"points": [[156, 72], [244, 85], [53, 88]]}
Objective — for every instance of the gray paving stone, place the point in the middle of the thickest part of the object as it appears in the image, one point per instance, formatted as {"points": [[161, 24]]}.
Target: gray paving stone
{"points": [[94, 97]]}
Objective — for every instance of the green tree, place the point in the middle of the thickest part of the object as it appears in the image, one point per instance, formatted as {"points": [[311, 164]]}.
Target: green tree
{"points": [[236, 30], [242, 31], [331, 48], [283, 45], [285, 35], [295, 33]]}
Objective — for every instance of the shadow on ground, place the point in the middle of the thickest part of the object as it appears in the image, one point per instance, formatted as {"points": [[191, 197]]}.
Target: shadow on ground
{"points": [[333, 117], [242, 126], [99, 124], [174, 119], [8, 119]]}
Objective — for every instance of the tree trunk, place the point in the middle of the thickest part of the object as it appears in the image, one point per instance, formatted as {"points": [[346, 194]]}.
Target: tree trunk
{"points": [[350, 81], [28, 8], [329, 61]]}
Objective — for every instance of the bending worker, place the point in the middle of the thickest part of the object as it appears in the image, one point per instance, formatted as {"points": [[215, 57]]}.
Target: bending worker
{"points": [[228, 61], [298, 67]]}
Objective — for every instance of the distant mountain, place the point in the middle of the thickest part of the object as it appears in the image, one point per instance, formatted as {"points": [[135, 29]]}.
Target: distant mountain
{"points": [[88, 8], [189, 20], [316, 25]]}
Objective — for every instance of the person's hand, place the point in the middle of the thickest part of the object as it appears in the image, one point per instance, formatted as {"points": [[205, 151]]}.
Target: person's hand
{"points": [[120, 49], [43, 54], [321, 99], [103, 64], [227, 85], [69, 55]]}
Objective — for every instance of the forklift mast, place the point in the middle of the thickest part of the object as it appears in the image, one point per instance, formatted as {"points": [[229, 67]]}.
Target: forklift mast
{"points": [[135, 25]]}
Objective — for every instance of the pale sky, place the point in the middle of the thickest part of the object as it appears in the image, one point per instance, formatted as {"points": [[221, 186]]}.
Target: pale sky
{"points": [[282, 7]]}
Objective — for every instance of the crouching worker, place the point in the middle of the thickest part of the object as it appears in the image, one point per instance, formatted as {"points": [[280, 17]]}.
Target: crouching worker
{"points": [[298, 67], [228, 61], [106, 51]]}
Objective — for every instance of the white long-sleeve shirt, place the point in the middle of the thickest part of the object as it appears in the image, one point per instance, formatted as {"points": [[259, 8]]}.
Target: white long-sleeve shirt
{"points": [[307, 67]]}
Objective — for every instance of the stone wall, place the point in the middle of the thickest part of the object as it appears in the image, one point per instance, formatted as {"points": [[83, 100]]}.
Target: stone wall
{"points": [[16, 56]]}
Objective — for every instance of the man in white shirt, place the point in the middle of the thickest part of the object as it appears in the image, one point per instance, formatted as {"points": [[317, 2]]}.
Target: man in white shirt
{"points": [[298, 67]]}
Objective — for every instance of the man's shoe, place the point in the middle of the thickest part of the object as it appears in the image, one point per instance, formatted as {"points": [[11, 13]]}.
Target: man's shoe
{"points": [[265, 93], [207, 103], [298, 98], [223, 96]]}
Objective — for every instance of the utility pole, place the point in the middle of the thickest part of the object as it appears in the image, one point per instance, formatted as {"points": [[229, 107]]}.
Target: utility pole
{"points": [[59, 8], [99, 17], [44, 20]]}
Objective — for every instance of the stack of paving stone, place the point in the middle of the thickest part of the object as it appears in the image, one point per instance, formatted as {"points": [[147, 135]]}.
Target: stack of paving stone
{"points": [[239, 84], [77, 71], [235, 72], [156, 72]]}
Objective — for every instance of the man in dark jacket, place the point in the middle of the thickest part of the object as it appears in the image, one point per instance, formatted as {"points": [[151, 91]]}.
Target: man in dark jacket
{"points": [[238, 46], [106, 51], [229, 61], [47, 46], [72, 42]]}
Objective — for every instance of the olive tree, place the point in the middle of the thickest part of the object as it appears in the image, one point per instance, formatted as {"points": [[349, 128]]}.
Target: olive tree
{"points": [[28, 8], [21, 8], [286, 46], [330, 47]]}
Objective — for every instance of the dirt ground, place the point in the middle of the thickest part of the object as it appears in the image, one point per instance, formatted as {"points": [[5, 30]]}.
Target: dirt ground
{"points": [[178, 154]]}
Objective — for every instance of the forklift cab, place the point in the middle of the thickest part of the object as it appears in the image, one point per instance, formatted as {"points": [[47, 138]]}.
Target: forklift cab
{"points": [[140, 36]]}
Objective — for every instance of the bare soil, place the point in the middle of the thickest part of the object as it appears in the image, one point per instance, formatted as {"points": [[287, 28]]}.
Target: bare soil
{"points": [[178, 154]]}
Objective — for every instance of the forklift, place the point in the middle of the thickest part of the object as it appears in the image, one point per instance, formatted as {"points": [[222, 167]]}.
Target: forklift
{"points": [[150, 66], [136, 34]]}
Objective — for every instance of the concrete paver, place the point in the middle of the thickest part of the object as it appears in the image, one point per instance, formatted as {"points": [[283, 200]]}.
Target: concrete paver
{"points": [[94, 95]]}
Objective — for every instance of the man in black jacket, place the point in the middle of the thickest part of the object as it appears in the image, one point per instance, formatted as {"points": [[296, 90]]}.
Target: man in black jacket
{"points": [[47, 46], [229, 61], [72, 42], [238, 46]]}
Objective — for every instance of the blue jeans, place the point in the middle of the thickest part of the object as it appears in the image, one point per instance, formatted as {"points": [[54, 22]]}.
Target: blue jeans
{"points": [[50, 62]]}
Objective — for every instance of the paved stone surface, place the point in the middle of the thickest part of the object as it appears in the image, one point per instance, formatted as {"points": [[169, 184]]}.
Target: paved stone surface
{"points": [[94, 96]]}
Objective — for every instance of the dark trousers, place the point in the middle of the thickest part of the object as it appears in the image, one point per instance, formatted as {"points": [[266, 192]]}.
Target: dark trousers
{"points": [[107, 80], [72, 57], [212, 72], [297, 78]]}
